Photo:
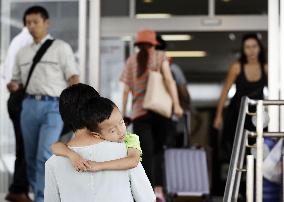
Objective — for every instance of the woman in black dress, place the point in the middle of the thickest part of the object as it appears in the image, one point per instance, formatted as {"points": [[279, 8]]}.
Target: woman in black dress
{"points": [[249, 74]]}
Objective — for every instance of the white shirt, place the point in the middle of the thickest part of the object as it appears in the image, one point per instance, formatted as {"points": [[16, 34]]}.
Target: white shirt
{"points": [[51, 73], [19, 41], [141, 188], [64, 184]]}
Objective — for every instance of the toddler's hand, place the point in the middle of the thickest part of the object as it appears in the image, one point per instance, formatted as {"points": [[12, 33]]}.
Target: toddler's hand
{"points": [[93, 166], [79, 163]]}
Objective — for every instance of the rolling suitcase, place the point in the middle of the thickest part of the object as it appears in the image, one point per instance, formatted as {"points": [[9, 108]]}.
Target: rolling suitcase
{"points": [[186, 172]]}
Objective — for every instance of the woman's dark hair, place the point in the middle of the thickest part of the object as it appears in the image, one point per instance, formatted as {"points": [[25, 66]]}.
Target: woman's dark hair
{"points": [[95, 111], [71, 100], [162, 45], [261, 54], [36, 10], [143, 57]]}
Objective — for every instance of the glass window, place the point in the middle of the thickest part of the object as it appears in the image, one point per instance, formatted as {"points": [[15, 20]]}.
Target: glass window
{"points": [[180, 7], [63, 19], [112, 59], [114, 8], [241, 7]]}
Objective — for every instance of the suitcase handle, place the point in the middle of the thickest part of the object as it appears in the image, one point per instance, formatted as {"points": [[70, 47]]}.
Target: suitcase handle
{"points": [[186, 129]]}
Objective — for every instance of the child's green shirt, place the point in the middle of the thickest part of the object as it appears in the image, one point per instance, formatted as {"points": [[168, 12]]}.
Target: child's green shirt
{"points": [[132, 141]]}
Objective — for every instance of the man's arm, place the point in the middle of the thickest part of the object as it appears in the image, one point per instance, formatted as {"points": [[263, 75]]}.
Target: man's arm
{"points": [[68, 64], [13, 86], [15, 83], [73, 80]]}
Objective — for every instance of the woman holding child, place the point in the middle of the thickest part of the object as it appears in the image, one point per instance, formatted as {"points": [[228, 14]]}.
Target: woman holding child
{"points": [[101, 143]]}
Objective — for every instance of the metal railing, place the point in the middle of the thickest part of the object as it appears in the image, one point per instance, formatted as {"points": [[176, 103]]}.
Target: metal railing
{"points": [[240, 144], [236, 163]]}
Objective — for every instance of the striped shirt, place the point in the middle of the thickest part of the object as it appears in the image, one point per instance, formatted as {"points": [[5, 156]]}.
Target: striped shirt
{"points": [[137, 84]]}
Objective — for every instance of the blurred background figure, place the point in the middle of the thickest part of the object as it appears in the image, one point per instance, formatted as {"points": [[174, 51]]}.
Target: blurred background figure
{"points": [[183, 126], [249, 74], [152, 128], [19, 188], [41, 123]]}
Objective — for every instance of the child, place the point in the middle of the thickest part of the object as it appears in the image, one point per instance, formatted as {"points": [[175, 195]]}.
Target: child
{"points": [[88, 112], [114, 132], [111, 129]]}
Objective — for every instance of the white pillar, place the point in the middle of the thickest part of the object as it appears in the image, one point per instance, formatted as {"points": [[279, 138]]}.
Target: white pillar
{"points": [[94, 43], [82, 34], [259, 152], [6, 130], [132, 8], [281, 66], [273, 61], [250, 179], [5, 123], [211, 8]]}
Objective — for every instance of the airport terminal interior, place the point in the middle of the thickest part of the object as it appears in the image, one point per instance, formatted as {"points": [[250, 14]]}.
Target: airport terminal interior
{"points": [[204, 39]]}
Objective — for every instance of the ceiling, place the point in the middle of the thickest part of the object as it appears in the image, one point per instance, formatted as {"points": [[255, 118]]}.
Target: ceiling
{"points": [[185, 7]]}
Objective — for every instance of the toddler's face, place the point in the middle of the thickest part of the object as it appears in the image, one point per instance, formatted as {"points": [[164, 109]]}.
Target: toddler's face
{"points": [[113, 129]]}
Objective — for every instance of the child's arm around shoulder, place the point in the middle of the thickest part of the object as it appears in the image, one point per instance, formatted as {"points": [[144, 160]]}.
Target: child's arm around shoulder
{"points": [[61, 149], [134, 153]]}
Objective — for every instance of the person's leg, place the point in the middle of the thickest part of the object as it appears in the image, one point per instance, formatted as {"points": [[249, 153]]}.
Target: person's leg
{"points": [[19, 188], [163, 133], [142, 128], [50, 130], [30, 129], [20, 182]]}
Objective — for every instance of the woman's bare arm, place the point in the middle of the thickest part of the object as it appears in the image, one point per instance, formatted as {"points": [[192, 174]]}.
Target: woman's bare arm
{"points": [[171, 86], [230, 79], [125, 99]]}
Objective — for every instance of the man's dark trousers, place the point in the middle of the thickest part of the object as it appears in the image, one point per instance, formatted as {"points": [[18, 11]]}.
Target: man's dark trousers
{"points": [[20, 182]]}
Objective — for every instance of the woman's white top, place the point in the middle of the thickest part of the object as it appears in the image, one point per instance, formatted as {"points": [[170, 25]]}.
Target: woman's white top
{"points": [[63, 183]]}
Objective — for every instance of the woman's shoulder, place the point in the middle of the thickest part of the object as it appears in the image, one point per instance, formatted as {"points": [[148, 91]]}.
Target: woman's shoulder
{"points": [[131, 59], [87, 142], [110, 150], [160, 53], [235, 68], [111, 145]]}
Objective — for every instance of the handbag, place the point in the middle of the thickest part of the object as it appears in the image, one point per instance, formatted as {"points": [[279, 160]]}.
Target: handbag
{"points": [[272, 164], [16, 98], [157, 97]]}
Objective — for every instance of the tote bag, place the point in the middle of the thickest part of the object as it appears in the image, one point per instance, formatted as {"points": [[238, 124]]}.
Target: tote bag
{"points": [[157, 98]]}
